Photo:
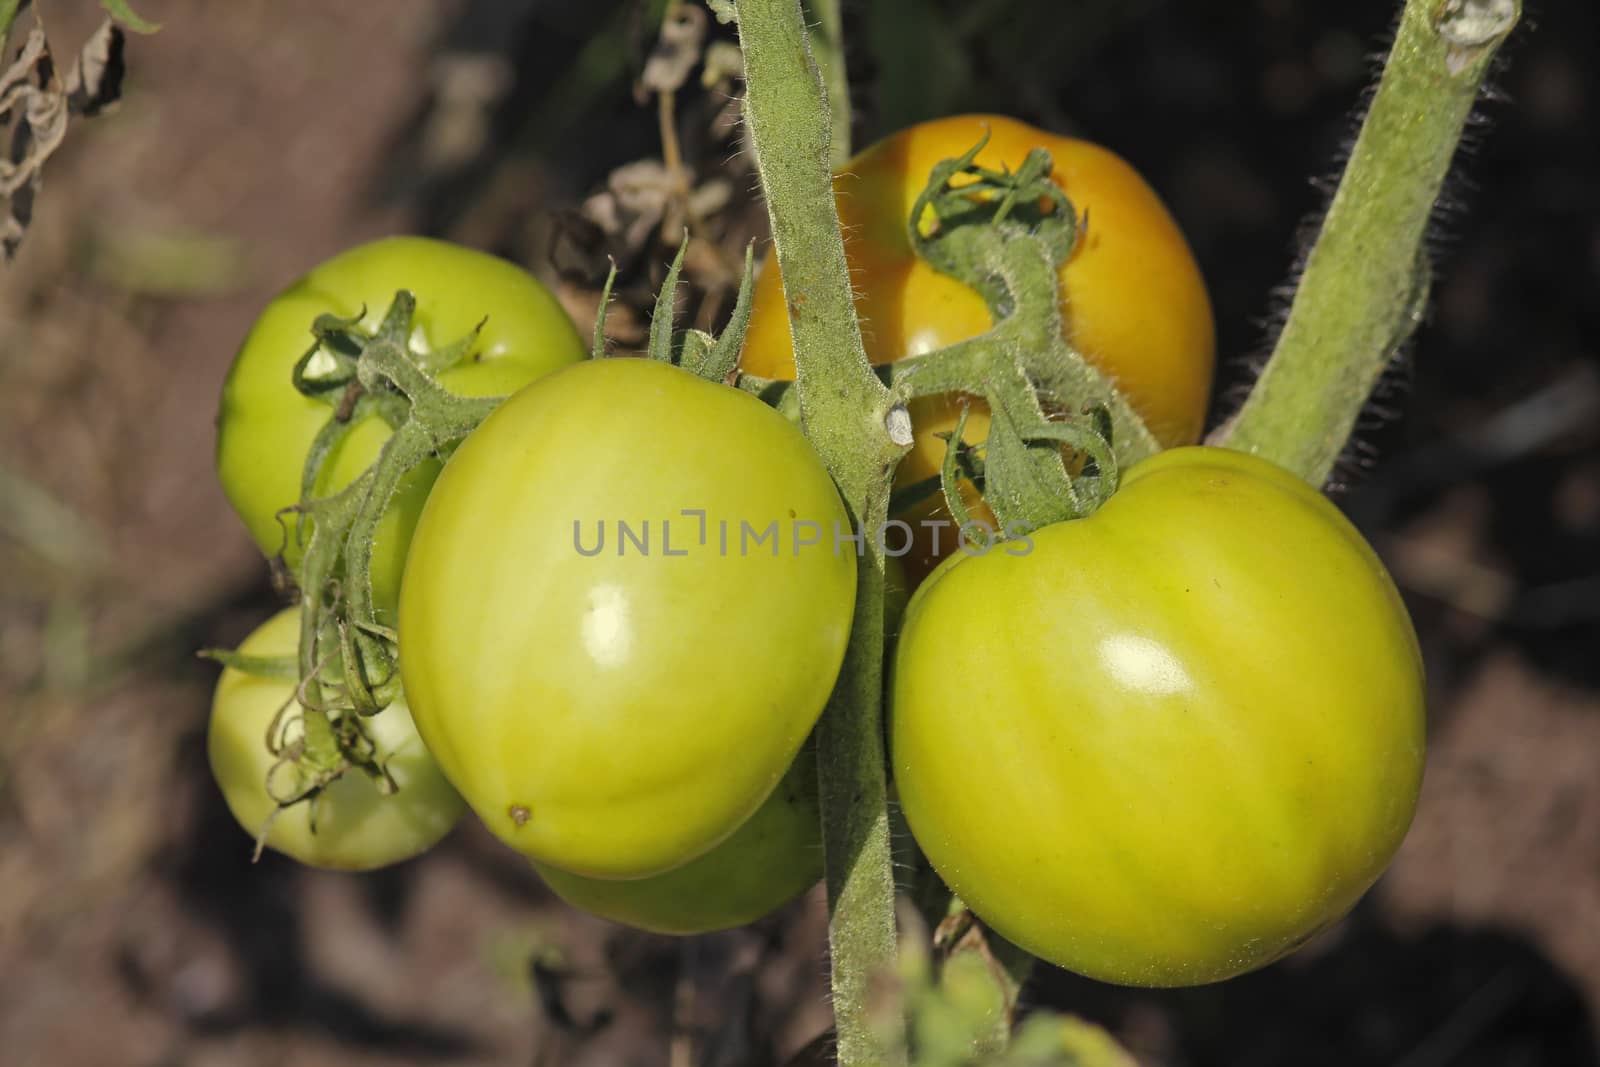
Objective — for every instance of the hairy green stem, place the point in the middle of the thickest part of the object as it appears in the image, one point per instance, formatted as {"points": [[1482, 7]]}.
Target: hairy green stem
{"points": [[1363, 288], [1032, 335], [844, 408]]}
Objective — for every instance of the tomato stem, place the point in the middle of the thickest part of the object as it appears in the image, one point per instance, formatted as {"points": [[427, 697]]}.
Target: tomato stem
{"points": [[845, 411], [1365, 281], [373, 375], [1005, 235]]}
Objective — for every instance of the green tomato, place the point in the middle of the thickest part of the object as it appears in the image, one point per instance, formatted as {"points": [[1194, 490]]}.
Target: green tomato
{"points": [[611, 706], [265, 427], [771, 859], [357, 828], [1167, 743]]}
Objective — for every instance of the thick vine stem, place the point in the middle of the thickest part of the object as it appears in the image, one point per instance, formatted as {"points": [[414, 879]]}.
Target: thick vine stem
{"points": [[844, 410], [1362, 291]]}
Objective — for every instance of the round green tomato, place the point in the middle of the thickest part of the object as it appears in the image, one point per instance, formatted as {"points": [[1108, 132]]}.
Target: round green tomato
{"points": [[771, 859], [265, 427], [1164, 744], [622, 613], [357, 828]]}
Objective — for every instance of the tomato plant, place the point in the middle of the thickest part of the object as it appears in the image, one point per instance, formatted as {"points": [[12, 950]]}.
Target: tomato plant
{"points": [[1161, 743], [623, 610], [1167, 742], [773, 857], [356, 827], [266, 427], [1131, 295]]}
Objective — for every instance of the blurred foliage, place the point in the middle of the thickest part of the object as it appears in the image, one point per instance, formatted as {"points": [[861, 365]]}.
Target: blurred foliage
{"points": [[940, 57], [119, 10]]}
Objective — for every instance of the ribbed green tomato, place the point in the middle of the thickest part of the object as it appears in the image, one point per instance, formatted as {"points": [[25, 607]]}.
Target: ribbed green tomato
{"points": [[357, 828], [265, 427], [618, 707], [1172, 740], [771, 859]]}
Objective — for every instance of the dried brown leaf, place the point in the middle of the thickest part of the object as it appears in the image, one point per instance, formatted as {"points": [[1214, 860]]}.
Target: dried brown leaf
{"points": [[35, 105], [676, 53], [95, 80]]}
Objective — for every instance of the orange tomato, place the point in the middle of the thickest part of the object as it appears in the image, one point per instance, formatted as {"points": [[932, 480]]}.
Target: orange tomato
{"points": [[1132, 298]]}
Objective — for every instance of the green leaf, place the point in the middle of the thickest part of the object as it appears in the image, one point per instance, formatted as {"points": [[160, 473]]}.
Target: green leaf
{"points": [[119, 10]]}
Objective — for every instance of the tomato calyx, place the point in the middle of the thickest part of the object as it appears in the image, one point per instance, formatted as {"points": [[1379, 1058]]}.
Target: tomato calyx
{"points": [[1024, 200], [312, 746], [1059, 428], [961, 999], [377, 374], [346, 664], [1010, 480], [696, 351]]}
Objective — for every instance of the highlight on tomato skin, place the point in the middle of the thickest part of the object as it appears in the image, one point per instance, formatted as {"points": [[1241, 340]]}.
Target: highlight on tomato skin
{"points": [[1133, 301], [265, 427], [618, 708], [356, 827], [1186, 732]]}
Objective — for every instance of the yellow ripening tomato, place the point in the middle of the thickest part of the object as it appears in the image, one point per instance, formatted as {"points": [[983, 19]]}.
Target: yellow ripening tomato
{"points": [[1132, 298], [1166, 743]]}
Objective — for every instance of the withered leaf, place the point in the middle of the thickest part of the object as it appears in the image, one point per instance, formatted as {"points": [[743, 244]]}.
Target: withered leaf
{"points": [[34, 108], [676, 52], [95, 80], [32, 105]]}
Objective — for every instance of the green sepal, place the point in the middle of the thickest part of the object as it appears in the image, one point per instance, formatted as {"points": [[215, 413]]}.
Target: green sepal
{"points": [[949, 478], [1021, 202], [723, 357], [968, 466], [694, 348], [272, 668], [451, 355], [598, 349], [336, 342], [659, 346], [1027, 479]]}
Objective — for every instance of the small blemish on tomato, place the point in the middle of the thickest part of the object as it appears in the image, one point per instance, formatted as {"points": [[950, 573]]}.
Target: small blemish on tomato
{"points": [[520, 815]]}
